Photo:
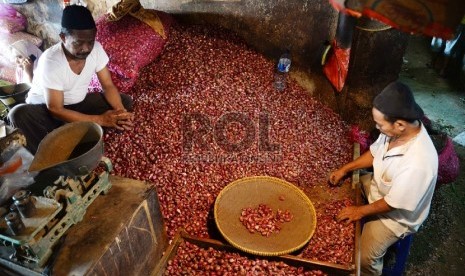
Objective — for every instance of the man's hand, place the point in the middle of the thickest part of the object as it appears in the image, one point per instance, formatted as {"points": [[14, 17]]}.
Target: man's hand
{"points": [[27, 66], [350, 214], [354, 213], [363, 161], [119, 119], [336, 176]]}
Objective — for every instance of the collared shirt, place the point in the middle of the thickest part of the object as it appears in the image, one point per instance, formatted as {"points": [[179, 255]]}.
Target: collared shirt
{"points": [[405, 176]]}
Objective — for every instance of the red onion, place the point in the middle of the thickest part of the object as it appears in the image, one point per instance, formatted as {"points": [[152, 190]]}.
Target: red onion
{"points": [[333, 241], [130, 44], [263, 220], [212, 72], [191, 259]]}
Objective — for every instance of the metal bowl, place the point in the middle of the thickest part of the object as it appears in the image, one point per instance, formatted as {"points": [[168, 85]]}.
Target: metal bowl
{"points": [[11, 95], [275, 193], [73, 149]]}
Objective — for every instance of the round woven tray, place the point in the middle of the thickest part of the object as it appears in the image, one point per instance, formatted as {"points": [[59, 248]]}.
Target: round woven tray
{"points": [[276, 194]]}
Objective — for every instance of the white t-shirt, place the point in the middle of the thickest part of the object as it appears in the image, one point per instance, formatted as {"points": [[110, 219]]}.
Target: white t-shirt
{"points": [[405, 177], [53, 72]]}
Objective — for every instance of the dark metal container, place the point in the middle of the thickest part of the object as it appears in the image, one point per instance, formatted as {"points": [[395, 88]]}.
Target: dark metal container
{"points": [[73, 149], [12, 95]]}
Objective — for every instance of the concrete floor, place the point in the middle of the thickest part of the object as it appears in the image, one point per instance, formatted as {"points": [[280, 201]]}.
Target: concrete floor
{"points": [[443, 100], [439, 247]]}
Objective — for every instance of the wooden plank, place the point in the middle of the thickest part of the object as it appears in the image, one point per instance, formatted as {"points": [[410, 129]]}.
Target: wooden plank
{"points": [[170, 253], [356, 185], [358, 232], [356, 173]]}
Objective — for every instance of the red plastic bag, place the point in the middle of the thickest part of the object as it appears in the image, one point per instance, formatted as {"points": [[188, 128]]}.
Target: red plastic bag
{"points": [[11, 21], [337, 66]]}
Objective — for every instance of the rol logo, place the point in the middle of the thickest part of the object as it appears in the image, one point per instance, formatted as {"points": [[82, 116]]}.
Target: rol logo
{"points": [[231, 138]]}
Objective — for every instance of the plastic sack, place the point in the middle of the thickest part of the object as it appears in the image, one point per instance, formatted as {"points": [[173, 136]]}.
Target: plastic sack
{"points": [[448, 161], [357, 135], [14, 174], [130, 44], [449, 164], [11, 21]]}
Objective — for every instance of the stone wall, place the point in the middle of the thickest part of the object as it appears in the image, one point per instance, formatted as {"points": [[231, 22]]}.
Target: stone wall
{"points": [[269, 26]]}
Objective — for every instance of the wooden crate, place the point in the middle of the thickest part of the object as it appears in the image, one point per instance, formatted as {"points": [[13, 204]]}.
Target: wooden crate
{"points": [[182, 236], [326, 267]]}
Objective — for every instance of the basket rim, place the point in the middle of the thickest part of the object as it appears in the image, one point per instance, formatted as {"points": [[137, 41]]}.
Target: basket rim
{"points": [[278, 181]]}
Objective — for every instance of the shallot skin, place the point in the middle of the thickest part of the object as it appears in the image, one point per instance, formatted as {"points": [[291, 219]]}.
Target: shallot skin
{"points": [[212, 72]]}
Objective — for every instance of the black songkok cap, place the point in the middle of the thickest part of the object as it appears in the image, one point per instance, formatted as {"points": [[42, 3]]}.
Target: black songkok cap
{"points": [[77, 18], [396, 101]]}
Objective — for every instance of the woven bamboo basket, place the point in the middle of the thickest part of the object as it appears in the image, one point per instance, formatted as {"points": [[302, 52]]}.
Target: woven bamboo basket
{"points": [[275, 193]]}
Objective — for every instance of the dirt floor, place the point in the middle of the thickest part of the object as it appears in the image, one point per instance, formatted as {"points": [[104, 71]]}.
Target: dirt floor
{"points": [[439, 246]]}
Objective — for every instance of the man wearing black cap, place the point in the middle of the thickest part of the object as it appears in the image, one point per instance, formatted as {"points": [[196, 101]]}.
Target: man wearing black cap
{"points": [[60, 85], [405, 165]]}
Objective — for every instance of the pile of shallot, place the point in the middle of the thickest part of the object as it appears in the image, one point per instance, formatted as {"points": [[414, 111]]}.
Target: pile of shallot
{"points": [[333, 241], [194, 107], [194, 260], [130, 44], [263, 220]]}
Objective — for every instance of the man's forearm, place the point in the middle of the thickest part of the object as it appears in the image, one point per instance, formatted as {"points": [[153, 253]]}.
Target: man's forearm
{"points": [[354, 213], [113, 97], [362, 162], [68, 116]]}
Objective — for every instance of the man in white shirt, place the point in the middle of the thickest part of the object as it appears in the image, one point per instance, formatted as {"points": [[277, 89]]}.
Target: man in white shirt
{"points": [[60, 85], [405, 167]]}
